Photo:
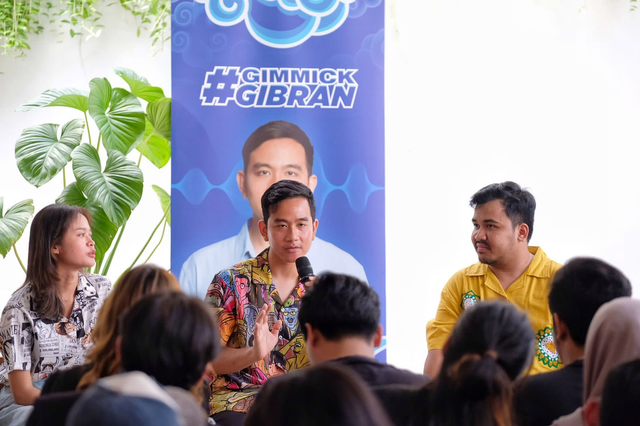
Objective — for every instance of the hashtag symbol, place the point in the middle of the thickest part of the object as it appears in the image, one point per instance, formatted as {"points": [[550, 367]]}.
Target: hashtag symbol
{"points": [[219, 85]]}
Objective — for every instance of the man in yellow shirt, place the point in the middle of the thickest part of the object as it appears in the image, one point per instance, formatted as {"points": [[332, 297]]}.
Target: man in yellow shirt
{"points": [[508, 269]]}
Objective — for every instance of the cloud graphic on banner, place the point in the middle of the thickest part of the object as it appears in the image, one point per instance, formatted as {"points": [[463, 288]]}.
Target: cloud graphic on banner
{"points": [[358, 188], [301, 18], [185, 13], [359, 7]]}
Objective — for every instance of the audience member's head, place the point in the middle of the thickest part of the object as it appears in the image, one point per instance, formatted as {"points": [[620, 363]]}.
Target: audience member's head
{"points": [[620, 395], [169, 336], [132, 286], [322, 395], [519, 204], [613, 339], [491, 345], [577, 291], [340, 316]]}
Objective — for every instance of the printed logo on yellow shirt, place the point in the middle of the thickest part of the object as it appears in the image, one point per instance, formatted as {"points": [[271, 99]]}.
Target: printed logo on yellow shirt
{"points": [[469, 299], [546, 351]]}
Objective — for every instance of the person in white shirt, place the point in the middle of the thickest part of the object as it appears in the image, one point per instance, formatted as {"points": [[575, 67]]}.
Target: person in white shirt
{"points": [[274, 151]]}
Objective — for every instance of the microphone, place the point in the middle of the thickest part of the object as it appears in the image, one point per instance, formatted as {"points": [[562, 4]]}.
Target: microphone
{"points": [[305, 271]]}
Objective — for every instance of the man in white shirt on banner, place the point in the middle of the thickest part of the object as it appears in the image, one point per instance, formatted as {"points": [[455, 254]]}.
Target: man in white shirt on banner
{"points": [[274, 151]]}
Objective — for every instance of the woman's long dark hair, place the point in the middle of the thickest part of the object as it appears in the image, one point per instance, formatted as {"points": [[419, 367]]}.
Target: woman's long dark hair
{"points": [[48, 228], [491, 345]]}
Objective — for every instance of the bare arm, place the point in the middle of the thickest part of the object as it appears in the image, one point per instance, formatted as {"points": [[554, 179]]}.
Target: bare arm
{"points": [[433, 363], [24, 393], [231, 360]]}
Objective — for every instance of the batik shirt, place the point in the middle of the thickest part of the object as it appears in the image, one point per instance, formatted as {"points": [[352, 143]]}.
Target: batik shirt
{"points": [[236, 296], [529, 292], [42, 346]]}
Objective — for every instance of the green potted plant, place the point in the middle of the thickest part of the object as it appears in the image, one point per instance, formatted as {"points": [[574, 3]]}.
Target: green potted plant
{"points": [[107, 182]]}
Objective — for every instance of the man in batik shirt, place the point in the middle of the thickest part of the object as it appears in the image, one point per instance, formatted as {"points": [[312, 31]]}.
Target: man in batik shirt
{"points": [[257, 303]]}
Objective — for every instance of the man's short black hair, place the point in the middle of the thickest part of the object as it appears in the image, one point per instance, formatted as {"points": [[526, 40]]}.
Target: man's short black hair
{"points": [[283, 190], [620, 395], [169, 336], [519, 204], [340, 306], [277, 130], [579, 288]]}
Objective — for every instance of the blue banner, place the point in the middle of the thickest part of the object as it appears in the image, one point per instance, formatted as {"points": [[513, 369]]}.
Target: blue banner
{"points": [[314, 67]]}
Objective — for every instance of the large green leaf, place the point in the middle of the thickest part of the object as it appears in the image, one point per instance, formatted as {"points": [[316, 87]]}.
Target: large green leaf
{"points": [[67, 97], [165, 201], [156, 148], [41, 155], [117, 190], [159, 114], [13, 223], [117, 113], [139, 85], [102, 228]]}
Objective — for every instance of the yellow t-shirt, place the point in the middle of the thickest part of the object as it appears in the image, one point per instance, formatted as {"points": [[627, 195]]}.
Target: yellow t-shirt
{"points": [[529, 292]]}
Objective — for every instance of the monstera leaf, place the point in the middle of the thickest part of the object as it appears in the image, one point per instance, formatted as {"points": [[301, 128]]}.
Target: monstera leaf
{"points": [[139, 86], [41, 155], [102, 228], [117, 189], [159, 113], [117, 113], [154, 147], [13, 223], [165, 201], [67, 97]]}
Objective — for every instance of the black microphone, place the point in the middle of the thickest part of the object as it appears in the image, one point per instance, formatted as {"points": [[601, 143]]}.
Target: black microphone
{"points": [[305, 271]]}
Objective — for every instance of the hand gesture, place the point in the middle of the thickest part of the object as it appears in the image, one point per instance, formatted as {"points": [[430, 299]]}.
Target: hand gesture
{"points": [[264, 340]]}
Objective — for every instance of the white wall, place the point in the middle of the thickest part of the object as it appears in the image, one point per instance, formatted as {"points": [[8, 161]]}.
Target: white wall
{"points": [[482, 92], [543, 93], [73, 63]]}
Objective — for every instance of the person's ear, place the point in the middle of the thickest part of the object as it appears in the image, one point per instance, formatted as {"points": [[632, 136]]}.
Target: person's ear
{"points": [[523, 232], [263, 230], [315, 228], [312, 337], [377, 338], [560, 330], [313, 182], [240, 177], [55, 250], [591, 412]]}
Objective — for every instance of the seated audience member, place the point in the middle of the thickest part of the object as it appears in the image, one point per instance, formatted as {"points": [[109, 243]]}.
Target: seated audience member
{"points": [[577, 291], [130, 399], [101, 360], [620, 397], [613, 339], [340, 318], [171, 338], [46, 323], [490, 346], [322, 395]]}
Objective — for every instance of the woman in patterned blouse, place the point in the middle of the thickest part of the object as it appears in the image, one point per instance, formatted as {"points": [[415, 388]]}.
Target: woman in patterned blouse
{"points": [[47, 323]]}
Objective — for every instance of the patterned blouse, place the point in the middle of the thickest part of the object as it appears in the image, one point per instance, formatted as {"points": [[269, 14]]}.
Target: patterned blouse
{"points": [[236, 296], [42, 346]]}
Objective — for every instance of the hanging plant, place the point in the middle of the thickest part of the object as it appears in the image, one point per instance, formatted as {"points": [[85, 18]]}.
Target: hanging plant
{"points": [[20, 19]]}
